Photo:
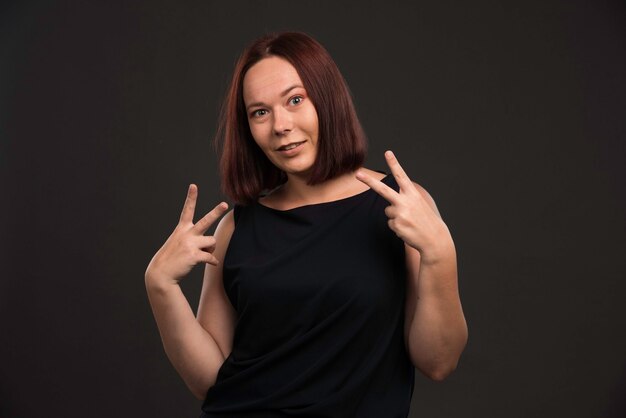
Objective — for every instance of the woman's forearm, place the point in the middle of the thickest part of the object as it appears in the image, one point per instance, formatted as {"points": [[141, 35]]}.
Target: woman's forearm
{"points": [[438, 332], [190, 348]]}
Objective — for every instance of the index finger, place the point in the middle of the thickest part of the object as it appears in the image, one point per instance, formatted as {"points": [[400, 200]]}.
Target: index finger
{"points": [[378, 186], [402, 179], [207, 220], [189, 207]]}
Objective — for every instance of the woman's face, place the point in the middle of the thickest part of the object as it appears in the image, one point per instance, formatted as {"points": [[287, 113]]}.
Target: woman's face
{"points": [[280, 114]]}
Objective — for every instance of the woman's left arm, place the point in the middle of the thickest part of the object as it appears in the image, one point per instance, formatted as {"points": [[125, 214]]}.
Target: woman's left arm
{"points": [[435, 327]]}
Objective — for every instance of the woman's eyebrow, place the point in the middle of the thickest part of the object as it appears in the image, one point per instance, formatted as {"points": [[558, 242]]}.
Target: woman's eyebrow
{"points": [[287, 90]]}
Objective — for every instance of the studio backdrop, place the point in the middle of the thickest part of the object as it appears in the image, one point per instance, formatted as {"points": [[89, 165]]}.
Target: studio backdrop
{"points": [[511, 115]]}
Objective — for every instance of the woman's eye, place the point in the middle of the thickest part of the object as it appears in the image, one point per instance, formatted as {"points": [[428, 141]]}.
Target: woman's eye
{"points": [[259, 112], [296, 100]]}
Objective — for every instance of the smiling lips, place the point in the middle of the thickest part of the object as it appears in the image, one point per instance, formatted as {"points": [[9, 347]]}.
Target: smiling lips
{"points": [[290, 146]]}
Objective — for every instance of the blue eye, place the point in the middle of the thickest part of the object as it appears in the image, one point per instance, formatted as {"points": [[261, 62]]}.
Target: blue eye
{"points": [[256, 112], [300, 98]]}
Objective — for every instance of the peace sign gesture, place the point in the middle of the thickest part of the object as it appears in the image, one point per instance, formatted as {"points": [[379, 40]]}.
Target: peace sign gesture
{"points": [[411, 217], [187, 245]]}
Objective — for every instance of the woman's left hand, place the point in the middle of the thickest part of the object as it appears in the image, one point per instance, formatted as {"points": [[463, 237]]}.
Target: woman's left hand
{"points": [[410, 216]]}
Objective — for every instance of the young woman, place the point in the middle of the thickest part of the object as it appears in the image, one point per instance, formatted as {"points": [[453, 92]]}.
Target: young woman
{"points": [[328, 282]]}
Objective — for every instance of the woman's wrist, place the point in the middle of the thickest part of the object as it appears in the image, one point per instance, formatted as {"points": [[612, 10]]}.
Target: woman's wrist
{"points": [[159, 282]]}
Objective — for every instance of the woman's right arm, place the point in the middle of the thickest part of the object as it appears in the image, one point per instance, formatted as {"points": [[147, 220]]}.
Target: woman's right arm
{"points": [[193, 352]]}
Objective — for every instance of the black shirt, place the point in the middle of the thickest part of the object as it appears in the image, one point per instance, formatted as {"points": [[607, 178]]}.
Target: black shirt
{"points": [[319, 292]]}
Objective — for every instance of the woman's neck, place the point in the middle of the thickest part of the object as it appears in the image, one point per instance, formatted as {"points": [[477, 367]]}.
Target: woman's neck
{"points": [[297, 191]]}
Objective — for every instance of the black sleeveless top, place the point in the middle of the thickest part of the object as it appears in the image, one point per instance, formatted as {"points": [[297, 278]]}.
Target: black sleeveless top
{"points": [[319, 292]]}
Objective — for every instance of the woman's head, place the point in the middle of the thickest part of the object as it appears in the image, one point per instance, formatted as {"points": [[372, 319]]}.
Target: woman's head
{"points": [[251, 134], [282, 118]]}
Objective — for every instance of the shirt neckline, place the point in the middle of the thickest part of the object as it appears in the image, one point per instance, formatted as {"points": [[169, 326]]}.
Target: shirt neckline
{"points": [[343, 199]]}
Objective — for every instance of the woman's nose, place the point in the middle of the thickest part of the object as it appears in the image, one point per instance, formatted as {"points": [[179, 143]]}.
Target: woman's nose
{"points": [[282, 121]]}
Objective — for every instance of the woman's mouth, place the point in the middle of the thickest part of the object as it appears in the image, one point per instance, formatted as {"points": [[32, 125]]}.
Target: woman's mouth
{"points": [[291, 148]]}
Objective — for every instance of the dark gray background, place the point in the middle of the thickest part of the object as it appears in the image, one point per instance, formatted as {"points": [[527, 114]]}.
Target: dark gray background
{"points": [[511, 114]]}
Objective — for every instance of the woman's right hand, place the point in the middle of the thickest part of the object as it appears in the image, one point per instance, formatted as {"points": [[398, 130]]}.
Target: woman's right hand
{"points": [[187, 245]]}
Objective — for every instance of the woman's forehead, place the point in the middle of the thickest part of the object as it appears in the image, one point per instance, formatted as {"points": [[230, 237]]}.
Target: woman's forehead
{"points": [[268, 78]]}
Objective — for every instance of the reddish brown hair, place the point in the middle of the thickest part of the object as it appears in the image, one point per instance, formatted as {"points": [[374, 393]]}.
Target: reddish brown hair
{"points": [[342, 145]]}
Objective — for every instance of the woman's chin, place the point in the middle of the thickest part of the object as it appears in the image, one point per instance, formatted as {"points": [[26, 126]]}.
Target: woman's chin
{"points": [[299, 170], [299, 173]]}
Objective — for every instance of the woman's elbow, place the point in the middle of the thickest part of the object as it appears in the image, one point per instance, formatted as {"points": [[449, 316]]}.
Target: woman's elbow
{"points": [[200, 392], [199, 389], [438, 370], [441, 373], [444, 368]]}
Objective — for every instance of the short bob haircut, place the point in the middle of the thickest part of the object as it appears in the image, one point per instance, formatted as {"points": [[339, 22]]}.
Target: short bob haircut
{"points": [[342, 146]]}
